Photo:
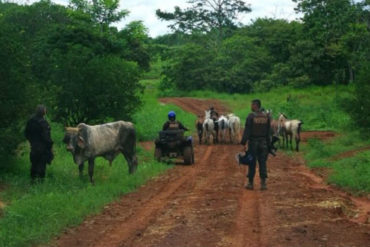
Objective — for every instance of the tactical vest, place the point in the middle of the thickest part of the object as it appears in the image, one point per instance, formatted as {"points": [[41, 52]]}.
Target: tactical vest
{"points": [[260, 125], [173, 125]]}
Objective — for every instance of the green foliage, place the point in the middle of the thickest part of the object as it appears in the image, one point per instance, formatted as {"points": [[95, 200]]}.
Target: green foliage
{"points": [[205, 16], [97, 90], [359, 105], [103, 12], [78, 66], [16, 94], [136, 36]]}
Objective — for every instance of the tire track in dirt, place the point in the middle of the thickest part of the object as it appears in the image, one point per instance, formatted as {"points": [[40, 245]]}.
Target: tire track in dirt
{"points": [[113, 234], [181, 217]]}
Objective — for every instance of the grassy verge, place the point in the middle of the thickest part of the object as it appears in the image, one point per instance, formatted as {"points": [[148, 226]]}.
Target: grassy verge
{"points": [[35, 214], [351, 173], [317, 107]]}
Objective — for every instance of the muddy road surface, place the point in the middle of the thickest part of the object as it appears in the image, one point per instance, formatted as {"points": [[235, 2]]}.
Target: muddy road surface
{"points": [[206, 204]]}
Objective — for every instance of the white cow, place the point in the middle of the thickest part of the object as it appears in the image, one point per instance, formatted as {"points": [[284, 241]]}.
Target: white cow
{"points": [[234, 128], [223, 126], [209, 127]]}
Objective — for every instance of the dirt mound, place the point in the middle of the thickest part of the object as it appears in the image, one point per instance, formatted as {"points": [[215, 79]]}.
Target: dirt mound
{"points": [[206, 205]]}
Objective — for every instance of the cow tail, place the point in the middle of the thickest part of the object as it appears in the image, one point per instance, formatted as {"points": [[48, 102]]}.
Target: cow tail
{"points": [[223, 124], [207, 127]]}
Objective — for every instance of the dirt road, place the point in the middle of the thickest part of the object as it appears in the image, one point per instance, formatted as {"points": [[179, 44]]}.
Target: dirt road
{"points": [[206, 205]]}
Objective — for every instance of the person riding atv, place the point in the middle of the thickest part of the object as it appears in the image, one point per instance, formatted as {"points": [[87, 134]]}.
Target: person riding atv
{"points": [[172, 123], [172, 143]]}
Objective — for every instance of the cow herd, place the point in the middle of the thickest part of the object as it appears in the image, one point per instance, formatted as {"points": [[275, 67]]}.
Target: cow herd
{"points": [[87, 142], [218, 129]]}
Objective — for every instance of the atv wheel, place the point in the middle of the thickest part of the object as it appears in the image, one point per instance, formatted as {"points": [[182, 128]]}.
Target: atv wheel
{"points": [[188, 157], [158, 154]]}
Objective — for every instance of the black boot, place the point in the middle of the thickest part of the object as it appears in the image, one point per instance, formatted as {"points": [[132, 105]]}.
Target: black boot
{"points": [[263, 184], [249, 186]]}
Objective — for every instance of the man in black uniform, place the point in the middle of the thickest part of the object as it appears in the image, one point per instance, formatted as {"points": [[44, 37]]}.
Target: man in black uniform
{"points": [[38, 134], [172, 123], [257, 136]]}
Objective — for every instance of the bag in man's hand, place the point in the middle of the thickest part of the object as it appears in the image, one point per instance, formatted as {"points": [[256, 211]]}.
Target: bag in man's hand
{"points": [[244, 158]]}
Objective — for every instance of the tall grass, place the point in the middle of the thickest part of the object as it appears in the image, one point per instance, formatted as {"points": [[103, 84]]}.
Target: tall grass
{"points": [[352, 173]]}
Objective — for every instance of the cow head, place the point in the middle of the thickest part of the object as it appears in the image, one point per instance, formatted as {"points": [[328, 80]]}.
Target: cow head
{"points": [[74, 139]]}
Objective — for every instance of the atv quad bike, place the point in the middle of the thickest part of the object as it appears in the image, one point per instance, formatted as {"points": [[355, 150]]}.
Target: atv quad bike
{"points": [[173, 144]]}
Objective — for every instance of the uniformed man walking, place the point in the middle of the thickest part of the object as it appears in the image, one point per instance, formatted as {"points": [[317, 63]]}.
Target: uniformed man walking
{"points": [[37, 133], [256, 138]]}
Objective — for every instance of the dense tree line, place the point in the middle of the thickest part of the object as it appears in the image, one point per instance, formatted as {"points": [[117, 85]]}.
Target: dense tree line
{"points": [[328, 45], [72, 60]]}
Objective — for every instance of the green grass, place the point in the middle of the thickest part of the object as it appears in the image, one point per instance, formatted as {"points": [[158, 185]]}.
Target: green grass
{"points": [[317, 107], [352, 173]]}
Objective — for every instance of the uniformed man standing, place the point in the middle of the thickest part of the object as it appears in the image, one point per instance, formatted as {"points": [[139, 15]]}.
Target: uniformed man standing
{"points": [[172, 123], [256, 138], [37, 133]]}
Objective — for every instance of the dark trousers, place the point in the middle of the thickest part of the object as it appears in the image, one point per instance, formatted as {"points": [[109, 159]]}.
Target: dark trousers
{"points": [[259, 150], [38, 164]]}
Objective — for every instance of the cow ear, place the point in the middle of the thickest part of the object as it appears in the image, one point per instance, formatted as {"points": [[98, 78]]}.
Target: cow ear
{"points": [[81, 142]]}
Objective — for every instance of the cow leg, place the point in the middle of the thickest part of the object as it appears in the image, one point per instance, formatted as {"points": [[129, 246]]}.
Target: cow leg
{"points": [[80, 169], [91, 170], [291, 141], [297, 140], [131, 161]]}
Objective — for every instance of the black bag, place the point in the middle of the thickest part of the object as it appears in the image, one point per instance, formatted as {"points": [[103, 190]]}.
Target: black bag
{"points": [[245, 159]]}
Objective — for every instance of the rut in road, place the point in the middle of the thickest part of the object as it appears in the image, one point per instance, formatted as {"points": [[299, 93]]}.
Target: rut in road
{"points": [[207, 205]]}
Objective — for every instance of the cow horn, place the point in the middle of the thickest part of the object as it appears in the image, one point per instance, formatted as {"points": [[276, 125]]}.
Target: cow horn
{"points": [[71, 129]]}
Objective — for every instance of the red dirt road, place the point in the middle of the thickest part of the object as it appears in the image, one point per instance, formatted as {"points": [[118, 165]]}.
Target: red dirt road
{"points": [[206, 205]]}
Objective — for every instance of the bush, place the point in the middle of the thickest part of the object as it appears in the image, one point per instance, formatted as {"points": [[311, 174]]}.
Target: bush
{"points": [[359, 108]]}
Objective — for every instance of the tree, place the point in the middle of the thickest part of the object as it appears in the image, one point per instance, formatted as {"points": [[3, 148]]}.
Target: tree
{"points": [[136, 39], [205, 16], [102, 12]]}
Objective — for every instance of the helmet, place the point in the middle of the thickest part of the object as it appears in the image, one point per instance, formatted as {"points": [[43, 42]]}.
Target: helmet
{"points": [[171, 115]]}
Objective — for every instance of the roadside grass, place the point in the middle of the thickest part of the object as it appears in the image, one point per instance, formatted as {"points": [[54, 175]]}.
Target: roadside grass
{"points": [[35, 214], [318, 107], [351, 173]]}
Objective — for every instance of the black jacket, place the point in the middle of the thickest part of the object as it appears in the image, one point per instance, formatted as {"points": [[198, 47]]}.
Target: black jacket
{"points": [[174, 125], [37, 133], [257, 125]]}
